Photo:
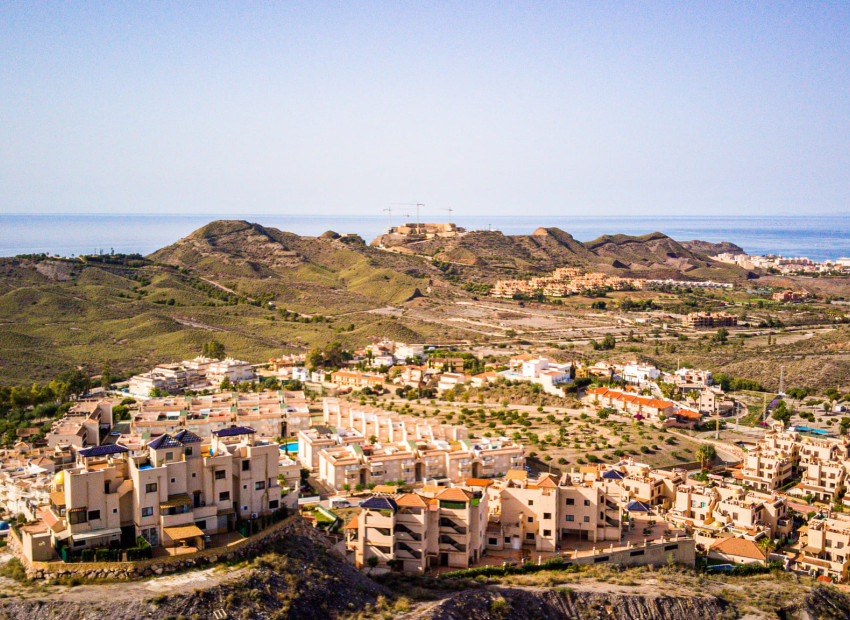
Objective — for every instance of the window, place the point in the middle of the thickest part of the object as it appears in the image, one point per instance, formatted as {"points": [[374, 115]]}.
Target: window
{"points": [[224, 496], [114, 511], [173, 480], [587, 502], [246, 465], [169, 456], [94, 514], [188, 451], [529, 536], [531, 519], [150, 487], [201, 524], [547, 515], [147, 512], [260, 485], [570, 518], [587, 519], [274, 504], [77, 516], [220, 474], [79, 543], [547, 532], [194, 475], [271, 482], [571, 501], [531, 502], [507, 540], [492, 541]]}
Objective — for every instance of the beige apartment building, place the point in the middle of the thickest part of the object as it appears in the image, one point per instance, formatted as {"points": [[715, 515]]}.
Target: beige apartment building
{"points": [[548, 513], [346, 466], [731, 509], [178, 490], [766, 469], [271, 414], [83, 425], [827, 549], [439, 527]]}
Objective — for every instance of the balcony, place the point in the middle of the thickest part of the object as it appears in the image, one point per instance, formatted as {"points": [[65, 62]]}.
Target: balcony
{"points": [[450, 545], [406, 552]]}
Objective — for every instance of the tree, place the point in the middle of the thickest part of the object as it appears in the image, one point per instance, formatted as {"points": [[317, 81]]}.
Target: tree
{"points": [[106, 377], [225, 384], [213, 349], [722, 335], [705, 453], [608, 342]]}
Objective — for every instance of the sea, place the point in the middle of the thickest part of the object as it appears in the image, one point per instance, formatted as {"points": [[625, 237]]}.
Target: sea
{"points": [[816, 237]]}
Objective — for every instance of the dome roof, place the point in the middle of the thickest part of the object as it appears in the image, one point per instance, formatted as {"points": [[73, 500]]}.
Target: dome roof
{"points": [[59, 478]]}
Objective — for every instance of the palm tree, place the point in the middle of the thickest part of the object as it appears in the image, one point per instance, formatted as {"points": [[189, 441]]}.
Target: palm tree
{"points": [[706, 452]]}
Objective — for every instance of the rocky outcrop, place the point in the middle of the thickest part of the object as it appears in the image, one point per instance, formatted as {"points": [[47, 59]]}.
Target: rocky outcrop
{"points": [[544, 604]]}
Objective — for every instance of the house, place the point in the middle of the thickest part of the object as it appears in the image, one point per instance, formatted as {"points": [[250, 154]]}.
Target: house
{"points": [[737, 551]]}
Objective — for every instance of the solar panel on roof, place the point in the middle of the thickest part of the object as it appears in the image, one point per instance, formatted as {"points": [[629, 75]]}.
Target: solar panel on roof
{"points": [[103, 450], [234, 431], [379, 503], [185, 437]]}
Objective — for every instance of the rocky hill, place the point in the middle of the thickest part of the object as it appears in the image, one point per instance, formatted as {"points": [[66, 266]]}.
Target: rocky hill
{"points": [[491, 254], [297, 578], [712, 249]]}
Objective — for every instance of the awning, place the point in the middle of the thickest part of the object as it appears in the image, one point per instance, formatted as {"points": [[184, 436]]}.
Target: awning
{"points": [[177, 500], [183, 532], [226, 511], [96, 534]]}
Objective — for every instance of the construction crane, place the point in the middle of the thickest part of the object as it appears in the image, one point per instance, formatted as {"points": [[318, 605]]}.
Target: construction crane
{"points": [[389, 211], [450, 210], [412, 204]]}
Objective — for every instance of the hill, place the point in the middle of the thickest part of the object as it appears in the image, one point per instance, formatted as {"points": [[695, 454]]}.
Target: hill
{"points": [[713, 249], [226, 280], [492, 255]]}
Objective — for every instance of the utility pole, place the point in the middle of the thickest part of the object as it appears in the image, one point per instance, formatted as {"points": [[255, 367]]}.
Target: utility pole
{"points": [[782, 380]]}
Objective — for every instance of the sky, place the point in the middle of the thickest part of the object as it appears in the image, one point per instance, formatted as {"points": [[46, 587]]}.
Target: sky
{"points": [[566, 108]]}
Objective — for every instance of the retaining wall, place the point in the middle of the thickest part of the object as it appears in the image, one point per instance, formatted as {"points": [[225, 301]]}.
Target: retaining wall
{"points": [[244, 548]]}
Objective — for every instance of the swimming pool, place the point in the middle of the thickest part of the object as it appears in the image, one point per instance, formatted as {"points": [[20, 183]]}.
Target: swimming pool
{"points": [[291, 447], [806, 429]]}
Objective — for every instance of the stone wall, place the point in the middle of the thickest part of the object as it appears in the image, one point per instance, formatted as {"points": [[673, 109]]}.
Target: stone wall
{"points": [[244, 548]]}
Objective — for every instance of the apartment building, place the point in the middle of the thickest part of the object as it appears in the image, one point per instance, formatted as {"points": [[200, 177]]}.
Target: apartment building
{"points": [[629, 403], [827, 548], [767, 469], [231, 369], [387, 426], [709, 319], [731, 509], [272, 414], [439, 527], [175, 491], [85, 423], [354, 463], [357, 380], [548, 513], [639, 374], [549, 375]]}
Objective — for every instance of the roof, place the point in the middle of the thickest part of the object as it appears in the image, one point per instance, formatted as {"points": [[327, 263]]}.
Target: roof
{"points": [[478, 482], [234, 431], [739, 547], [455, 495], [353, 524], [411, 500], [516, 474], [612, 474], [164, 441], [637, 506], [57, 498], [183, 532], [103, 450], [185, 437], [380, 503], [385, 488]]}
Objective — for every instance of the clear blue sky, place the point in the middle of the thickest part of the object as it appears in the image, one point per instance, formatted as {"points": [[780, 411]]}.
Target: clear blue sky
{"points": [[490, 108]]}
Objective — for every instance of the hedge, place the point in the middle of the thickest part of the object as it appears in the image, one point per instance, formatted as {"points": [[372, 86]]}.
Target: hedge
{"points": [[558, 564]]}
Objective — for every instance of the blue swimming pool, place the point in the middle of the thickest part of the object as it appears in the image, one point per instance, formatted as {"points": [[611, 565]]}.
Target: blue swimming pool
{"points": [[291, 447], [806, 429]]}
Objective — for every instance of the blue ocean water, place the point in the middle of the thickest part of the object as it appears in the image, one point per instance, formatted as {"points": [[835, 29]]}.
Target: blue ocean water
{"points": [[817, 237]]}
